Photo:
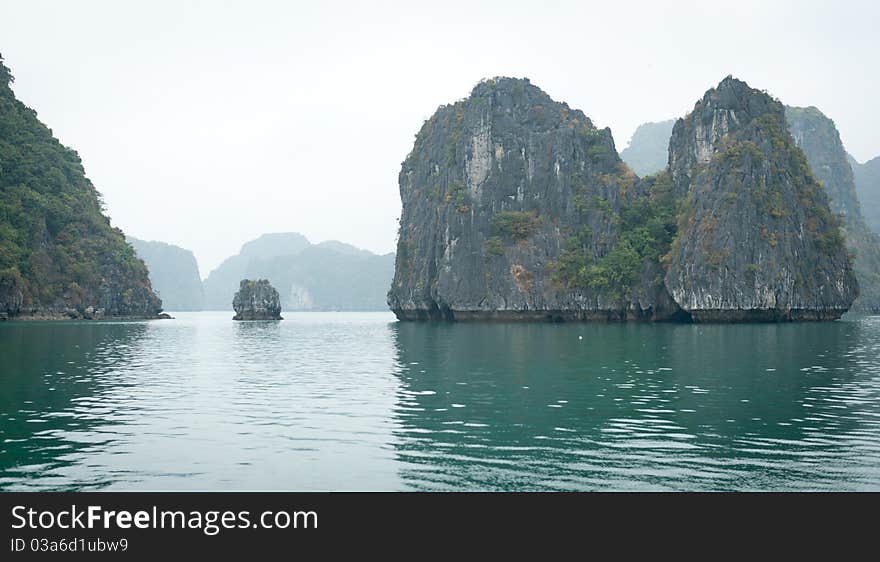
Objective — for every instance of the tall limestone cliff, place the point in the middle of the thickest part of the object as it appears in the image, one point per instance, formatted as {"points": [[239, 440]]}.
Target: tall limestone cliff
{"points": [[59, 256], [516, 207], [174, 274], [511, 210], [757, 239], [819, 139]]}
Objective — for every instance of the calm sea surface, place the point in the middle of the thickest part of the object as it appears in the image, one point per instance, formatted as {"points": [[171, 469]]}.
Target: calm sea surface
{"points": [[347, 401]]}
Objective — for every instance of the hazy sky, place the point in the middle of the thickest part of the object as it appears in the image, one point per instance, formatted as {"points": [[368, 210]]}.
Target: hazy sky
{"points": [[206, 124]]}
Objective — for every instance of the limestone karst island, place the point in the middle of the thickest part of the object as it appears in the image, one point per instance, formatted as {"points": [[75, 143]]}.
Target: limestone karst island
{"points": [[516, 207]]}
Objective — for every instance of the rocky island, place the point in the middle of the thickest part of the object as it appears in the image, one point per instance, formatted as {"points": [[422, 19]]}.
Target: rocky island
{"points": [[256, 300], [59, 256], [516, 207]]}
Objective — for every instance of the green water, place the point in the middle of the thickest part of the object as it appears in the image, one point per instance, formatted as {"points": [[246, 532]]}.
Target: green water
{"points": [[361, 402]]}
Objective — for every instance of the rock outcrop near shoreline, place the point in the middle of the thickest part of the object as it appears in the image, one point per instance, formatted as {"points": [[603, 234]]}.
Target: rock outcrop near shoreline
{"points": [[516, 207], [59, 255], [256, 300]]}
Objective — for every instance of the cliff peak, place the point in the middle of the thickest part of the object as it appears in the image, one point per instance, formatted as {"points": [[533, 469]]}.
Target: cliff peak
{"points": [[734, 102]]}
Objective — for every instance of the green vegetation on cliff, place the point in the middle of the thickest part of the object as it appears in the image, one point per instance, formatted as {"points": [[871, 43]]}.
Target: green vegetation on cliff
{"points": [[647, 227], [515, 225], [58, 252]]}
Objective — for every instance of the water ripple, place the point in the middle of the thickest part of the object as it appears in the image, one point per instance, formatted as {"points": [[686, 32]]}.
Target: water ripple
{"points": [[356, 401]]}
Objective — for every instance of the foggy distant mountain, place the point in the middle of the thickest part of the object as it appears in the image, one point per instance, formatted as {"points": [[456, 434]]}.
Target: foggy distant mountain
{"points": [[330, 275], [344, 248], [648, 150], [173, 273], [867, 178], [221, 284], [275, 244]]}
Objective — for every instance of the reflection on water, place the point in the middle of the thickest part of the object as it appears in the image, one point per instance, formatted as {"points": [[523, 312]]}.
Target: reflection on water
{"points": [[641, 407], [356, 401], [202, 403]]}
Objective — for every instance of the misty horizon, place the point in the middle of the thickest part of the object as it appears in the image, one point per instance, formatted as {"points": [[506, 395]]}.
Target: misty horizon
{"points": [[205, 274], [206, 127]]}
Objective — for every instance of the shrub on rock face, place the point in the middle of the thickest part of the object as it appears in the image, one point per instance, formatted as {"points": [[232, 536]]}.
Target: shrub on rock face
{"points": [[515, 225], [256, 300]]}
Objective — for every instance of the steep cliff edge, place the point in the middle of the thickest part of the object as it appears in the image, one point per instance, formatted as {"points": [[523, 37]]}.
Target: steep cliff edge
{"points": [[819, 139], [757, 239], [516, 207], [511, 210], [59, 256]]}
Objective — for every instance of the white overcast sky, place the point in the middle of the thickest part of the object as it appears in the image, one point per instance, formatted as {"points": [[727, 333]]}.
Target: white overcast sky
{"points": [[206, 124]]}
